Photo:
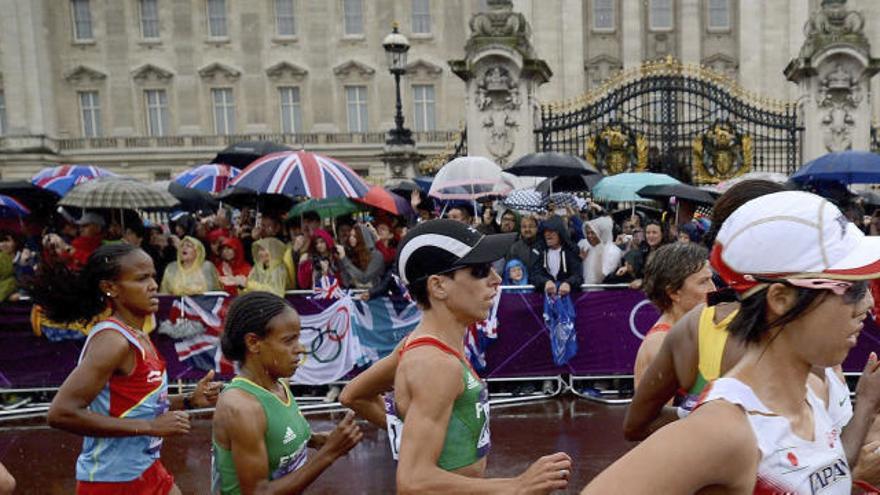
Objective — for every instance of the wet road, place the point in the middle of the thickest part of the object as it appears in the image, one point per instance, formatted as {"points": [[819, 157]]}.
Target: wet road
{"points": [[42, 460]]}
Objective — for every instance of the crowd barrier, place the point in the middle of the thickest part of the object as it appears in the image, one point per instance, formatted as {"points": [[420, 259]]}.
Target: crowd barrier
{"points": [[610, 325]]}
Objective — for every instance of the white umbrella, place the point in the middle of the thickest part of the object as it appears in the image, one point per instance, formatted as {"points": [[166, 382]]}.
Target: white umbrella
{"points": [[469, 178]]}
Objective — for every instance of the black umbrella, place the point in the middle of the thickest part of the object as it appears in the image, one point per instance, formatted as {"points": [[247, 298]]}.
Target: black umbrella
{"points": [[550, 164], [193, 200], [35, 198], [242, 197], [568, 183], [241, 154], [402, 186], [680, 191]]}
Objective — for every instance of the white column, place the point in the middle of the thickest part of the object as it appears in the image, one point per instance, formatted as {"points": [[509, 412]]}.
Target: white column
{"points": [[571, 47], [798, 14], [751, 37], [690, 23], [632, 33]]}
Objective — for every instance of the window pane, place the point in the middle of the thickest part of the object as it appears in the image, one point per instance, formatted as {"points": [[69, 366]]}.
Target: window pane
{"points": [[719, 14], [284, 21], [423, 105], [224, 111], [421, 16], [90, 112], [157, 112], [290, 110], [149, 19], [217, 18], [661, 14], [354, 19], [2, 113], [82, 20], [356, 97], [603, 14]]}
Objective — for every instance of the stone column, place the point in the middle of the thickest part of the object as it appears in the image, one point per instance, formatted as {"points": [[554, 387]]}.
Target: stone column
{"points": [[691, 24], [501, 73], [833, 72], [632, 34]]}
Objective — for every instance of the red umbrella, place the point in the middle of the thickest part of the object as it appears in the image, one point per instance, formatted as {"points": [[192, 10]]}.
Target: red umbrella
{"points": [[395, 204]]}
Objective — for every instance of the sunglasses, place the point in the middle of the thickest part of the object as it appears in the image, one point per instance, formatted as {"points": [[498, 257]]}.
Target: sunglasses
{"points": [[478, 271], [852, 292]]}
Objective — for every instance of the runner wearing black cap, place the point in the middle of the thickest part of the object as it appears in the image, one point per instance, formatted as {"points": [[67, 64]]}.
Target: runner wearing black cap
{"points": [[444, 435]]}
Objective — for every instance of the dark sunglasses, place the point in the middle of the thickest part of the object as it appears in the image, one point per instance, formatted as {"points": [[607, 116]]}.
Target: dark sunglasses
{"points": [[478, 271]]}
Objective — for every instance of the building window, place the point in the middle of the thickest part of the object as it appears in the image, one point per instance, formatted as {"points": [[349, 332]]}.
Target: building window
{"points": [[217, 19], [2, 113], [150, 19], [90, 110], [157, 112], [291, 116], [82, 20], [719, 14], [423, 107], [224, 111], [421, 16], [660, 15], [603, 15], [284, 20], [353, 14], [356, 98]]}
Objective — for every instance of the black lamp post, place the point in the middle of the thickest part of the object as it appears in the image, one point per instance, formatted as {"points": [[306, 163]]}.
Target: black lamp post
{"points": [[396, 45]]}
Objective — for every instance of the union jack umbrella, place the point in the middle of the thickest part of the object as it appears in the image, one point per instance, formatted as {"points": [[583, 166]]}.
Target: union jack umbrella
{"points": [[211, 178], [63, 178], [302, 173], [11, 207]]}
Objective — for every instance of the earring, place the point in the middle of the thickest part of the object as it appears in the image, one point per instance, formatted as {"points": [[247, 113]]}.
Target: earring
{"points": [[108, 295]]}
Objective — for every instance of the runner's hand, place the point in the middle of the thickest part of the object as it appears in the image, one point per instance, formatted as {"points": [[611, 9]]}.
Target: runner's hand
{"points": [[207, 391], [547, 474], [169, 424], [868, 387], [343, 438]]}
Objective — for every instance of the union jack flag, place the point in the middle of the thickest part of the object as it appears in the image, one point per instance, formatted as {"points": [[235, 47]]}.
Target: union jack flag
{"points": [[301, 173], [211, 178], [63, 178], [207, 311]]}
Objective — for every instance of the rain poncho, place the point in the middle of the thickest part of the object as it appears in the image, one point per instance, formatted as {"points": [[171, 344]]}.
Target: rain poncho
{"points": [[603, 258], [507, 280], [7, 276], [271, 278], [199, 277]]}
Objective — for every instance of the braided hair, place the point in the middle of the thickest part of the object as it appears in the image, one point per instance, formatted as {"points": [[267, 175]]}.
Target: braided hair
{"points": [[249, 313], [69, 296]]}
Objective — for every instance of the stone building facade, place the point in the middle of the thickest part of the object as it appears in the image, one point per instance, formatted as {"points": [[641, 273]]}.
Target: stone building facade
{"points": [[149, 87]]}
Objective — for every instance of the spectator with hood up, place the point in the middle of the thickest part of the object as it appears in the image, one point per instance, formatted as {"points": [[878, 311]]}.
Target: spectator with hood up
{"points": [[232, 266], [557, 268], [191, 274], [268, 273], [319, 261], [601, 256]]}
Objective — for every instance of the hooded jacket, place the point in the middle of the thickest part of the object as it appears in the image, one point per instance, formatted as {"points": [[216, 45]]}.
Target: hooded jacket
{"points": [[305, 269], [603, 258], [353, 276], [570, 269], [197, 278], [238, 267]]}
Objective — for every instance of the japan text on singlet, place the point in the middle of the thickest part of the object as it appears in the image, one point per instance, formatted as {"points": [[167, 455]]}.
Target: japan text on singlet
{"points": [[790, 464], [286, 438], [467, 434], [143, 394]]}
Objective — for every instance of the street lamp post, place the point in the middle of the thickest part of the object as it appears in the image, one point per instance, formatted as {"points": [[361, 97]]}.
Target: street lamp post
{"points": [[396, 45]]}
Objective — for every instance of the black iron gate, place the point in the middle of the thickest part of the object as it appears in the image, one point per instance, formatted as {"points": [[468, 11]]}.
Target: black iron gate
{"points": [[678, 119]]}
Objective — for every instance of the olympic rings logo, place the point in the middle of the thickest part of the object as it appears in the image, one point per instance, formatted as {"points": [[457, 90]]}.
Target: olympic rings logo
{"points": [[338, 326], [632, 319]]}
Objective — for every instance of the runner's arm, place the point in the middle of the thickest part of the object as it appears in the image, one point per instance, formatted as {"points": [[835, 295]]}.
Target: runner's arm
{"points": [[7, 482], [647, 414], [864, 411], [105, 355], [364, 394], [687, 456], [646, 355]]}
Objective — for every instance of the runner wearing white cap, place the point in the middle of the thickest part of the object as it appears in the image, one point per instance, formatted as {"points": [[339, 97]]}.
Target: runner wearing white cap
{"points": [[799, 268]]}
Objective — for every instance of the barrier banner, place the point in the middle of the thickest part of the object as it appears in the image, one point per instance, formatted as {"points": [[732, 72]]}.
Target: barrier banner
{"points": [[332, 349], [383, 322]]}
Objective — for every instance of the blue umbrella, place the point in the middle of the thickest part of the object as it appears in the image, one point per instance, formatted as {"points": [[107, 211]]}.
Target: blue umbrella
{"points": [[847, 167], [625, 187], [63, 178]]}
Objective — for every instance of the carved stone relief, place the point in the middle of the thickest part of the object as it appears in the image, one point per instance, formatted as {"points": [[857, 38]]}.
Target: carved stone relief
{"points": [[498, 97], [839, 94]]}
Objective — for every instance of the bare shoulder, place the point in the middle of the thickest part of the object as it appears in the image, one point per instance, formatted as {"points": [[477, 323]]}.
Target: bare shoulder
{"points": [[429, 368], [236, 406], [685, 330]]}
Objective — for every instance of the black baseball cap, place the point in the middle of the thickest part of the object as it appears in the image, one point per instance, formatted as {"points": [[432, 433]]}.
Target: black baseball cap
{"points": [[442, 245]]}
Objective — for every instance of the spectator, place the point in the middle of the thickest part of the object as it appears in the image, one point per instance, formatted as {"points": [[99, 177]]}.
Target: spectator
{"points": [[310, 223], [515, 273], [343, 230], [182, 225], [232, 266], [160, 249], [8, 284], [319, 261], [462, 212], [215, 239], [268, 273], [601, 257], [385, 243], [81, 247], [509, 222], [361, 263], [526, 246], [487, 224], [690, 232], [191, 274], [557, 268], [269, 226], [298, 246]]}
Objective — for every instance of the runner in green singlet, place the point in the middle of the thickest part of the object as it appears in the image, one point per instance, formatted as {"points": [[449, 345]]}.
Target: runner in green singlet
{"points": [[260, 436]]}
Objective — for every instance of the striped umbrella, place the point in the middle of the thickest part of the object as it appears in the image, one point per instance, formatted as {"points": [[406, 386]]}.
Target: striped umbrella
{"points": [[118, 192], [11, 207], [63, 178], [302, 173], [212, 177]]}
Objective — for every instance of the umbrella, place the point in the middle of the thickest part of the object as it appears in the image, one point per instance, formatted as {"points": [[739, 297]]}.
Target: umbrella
{"points": [[847, 167], [624, 187], [468, 178], [569, 183], [560, 199], [242, 197], [35, 198], [63, 178], [240, 155], [325, 208], [211, 178], [117, 192], [395, 204], [870, 197], [192, 200], [302, 174], [684, 192], [776, 177], [11, 207], [525, 200], [551, 164], [402, 187]]}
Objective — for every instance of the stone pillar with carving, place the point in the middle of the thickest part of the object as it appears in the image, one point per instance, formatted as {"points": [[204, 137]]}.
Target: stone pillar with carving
{"points": [[502, 74], [833, 72]]}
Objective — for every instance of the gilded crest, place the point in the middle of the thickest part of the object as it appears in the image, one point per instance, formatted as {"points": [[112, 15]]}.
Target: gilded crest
{"points": [[721, 153], [616, 149]]}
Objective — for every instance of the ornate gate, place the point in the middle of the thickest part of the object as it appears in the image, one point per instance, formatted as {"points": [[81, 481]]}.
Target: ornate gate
{"points": [[683, 120]]}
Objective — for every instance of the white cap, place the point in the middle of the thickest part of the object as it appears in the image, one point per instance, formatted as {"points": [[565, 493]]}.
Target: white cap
{"points": [[792, 234]]}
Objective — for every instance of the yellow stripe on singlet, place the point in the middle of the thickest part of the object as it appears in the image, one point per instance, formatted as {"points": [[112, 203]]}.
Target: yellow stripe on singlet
{"points": [[711, 341]]}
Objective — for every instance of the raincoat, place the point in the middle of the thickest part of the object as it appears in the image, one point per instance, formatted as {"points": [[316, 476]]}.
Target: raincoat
{"points": [[603, 258], [271, 278], [507, 280], [199, 277]]}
